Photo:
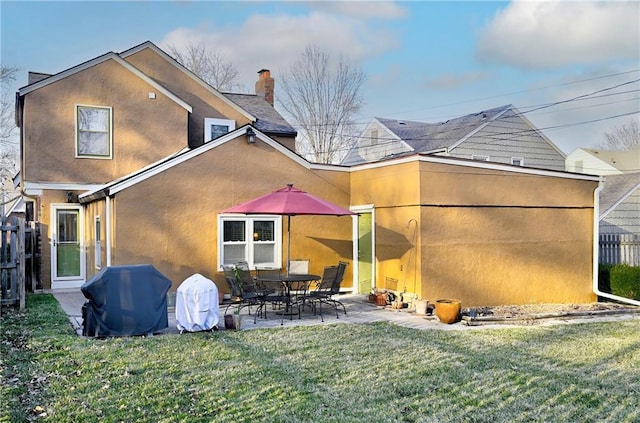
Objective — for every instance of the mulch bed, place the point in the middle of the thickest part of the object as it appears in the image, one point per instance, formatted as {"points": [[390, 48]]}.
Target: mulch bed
{"points": [[537, 312]]}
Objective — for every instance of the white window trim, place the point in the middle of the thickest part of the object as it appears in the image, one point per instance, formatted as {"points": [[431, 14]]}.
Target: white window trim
{"points": [[480, 157], [521, 159], [216, 121], [89, 156], [277, 228], [98, 242]]}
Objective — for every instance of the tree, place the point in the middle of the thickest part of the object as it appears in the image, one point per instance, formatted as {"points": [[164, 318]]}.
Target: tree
{"points": [[625, 137], [208, 64], [7, 120], [322, 99], [8, 135]]}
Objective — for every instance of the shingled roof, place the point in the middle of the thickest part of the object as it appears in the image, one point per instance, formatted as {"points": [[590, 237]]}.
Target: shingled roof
{"points": [[268, 120], [424, 137]]}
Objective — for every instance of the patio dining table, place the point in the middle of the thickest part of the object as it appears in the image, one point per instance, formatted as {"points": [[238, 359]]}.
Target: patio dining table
{"points": [[293, 281]]}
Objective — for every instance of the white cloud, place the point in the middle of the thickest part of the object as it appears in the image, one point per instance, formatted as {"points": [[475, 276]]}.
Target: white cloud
{"points": [[546, 34], [272, 41]]}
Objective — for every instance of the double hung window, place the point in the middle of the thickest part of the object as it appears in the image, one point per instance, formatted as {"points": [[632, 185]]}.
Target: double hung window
{"points": [[93, 131], [254, 239]]}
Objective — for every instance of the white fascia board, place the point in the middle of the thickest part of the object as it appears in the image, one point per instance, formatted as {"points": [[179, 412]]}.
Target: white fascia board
{"points": [[196, 78], [109, 56], [175, 159], [61, 75], [477, 164], [36, 188]]}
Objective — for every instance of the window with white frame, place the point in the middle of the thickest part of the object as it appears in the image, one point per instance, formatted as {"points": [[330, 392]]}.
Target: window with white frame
{"points": [[517, 161], [98, 238], [93, 131], [213, 128], [254, 239]]}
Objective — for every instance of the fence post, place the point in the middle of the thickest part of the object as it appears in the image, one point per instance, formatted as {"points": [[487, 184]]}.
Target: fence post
{"points": [[20, 258]]}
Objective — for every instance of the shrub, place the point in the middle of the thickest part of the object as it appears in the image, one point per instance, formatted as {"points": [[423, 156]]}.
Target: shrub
{"points": [[625, 281], [604, 277]]}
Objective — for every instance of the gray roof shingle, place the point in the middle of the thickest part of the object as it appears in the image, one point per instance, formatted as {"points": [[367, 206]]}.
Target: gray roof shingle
{"points": [[269, 120], [424, 137], [616, 187]]}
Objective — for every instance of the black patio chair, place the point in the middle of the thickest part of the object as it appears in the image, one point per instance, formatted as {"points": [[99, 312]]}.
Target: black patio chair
{"points": [[324, 290], [270, 280], [241, 282]]}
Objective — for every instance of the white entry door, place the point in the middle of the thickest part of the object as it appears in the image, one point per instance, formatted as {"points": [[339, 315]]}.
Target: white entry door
{"points": [[67, 257]]}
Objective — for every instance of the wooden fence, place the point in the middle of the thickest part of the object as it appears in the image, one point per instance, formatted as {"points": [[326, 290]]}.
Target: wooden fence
{"points": [[620, 248], [18, 261]]}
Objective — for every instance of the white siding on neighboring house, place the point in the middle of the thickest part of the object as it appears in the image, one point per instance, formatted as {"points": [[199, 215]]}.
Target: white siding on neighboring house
{"points": [[583, 161], [508, 138], [624, 218], [375, 143]]}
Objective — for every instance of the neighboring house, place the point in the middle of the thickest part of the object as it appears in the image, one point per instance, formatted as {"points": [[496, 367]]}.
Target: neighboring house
{"points": [[121, 176], [602, 162], [502, 135], [619, 228], [620, 219]]}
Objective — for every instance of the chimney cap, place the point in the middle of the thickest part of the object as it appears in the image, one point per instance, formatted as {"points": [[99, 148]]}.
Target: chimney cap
{"points": [[264, 70]]}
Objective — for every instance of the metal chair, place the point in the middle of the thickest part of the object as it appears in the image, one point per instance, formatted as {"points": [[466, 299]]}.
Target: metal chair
{"points": [[270, 280], [241, 282], [324, 290]]}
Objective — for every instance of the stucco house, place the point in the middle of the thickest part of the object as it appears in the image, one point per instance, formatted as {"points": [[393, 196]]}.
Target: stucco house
{"points": [[502, 134], [130, 159]]}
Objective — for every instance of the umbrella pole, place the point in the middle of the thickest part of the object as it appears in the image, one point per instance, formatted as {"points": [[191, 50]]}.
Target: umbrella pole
{"points": [[288, 244]]}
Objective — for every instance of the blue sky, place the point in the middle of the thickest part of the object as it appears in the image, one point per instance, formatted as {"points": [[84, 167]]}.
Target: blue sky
{"points": [[426, 61]]}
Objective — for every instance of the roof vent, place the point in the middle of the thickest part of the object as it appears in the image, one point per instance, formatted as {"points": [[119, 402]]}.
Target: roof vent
{"points": [[401, 122]]}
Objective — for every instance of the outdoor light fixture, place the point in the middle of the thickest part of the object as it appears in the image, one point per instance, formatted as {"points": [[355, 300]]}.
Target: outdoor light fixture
{"points": [[251, 136]]}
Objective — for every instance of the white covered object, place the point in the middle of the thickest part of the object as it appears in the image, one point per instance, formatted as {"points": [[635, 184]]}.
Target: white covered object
{"points": [[197, 304]]}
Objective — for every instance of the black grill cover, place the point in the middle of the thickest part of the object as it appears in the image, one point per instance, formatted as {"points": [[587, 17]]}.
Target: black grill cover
{"points": [[125, 301]]}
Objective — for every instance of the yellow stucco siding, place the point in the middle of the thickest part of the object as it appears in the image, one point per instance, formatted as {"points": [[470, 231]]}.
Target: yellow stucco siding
{"points": [[143, 130], [492, 256], [176, 229], [485, 236], [458, 185], [205, 104]]}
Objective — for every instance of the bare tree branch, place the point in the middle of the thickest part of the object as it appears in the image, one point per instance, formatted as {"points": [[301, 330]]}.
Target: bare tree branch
{"points": [[208, 64], [8, 129], [625, 137], [323, 101]]}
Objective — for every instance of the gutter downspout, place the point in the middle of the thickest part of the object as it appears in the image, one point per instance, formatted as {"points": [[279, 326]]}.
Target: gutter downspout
{"points": [[108, 228], [596, 246]]}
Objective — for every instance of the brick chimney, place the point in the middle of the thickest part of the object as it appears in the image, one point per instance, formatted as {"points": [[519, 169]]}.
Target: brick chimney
{"points": [[265, 85]]}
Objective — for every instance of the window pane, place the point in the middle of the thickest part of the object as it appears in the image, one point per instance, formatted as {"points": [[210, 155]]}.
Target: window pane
{"points": [[233, 254], [234, 231], [263, 230], [91, 119], [263, 254], [218, 130], [94, 143]]}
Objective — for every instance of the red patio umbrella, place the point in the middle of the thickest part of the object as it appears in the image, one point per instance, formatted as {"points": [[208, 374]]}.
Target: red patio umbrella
{"points": [[289, 201]]}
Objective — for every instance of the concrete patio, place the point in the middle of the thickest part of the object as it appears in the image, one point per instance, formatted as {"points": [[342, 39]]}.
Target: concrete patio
{"points": [[359, 310]]}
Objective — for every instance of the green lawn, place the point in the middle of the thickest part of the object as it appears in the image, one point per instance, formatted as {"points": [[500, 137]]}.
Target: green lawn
{"points": [[340, 373]]}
